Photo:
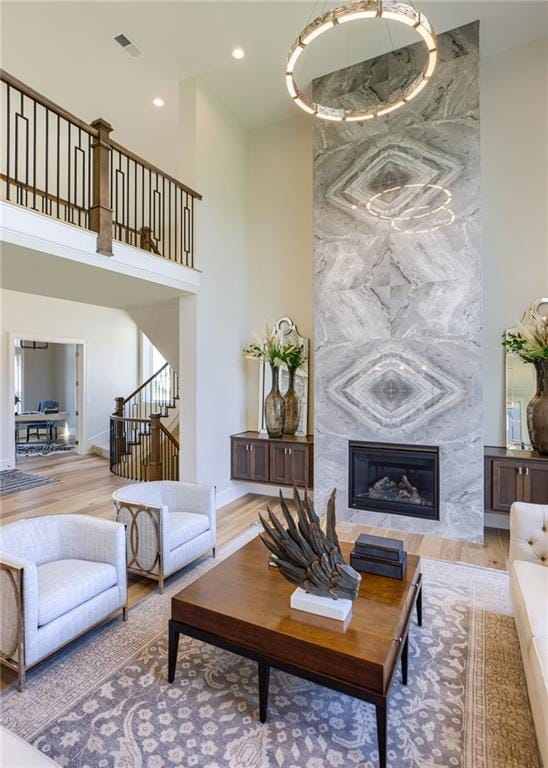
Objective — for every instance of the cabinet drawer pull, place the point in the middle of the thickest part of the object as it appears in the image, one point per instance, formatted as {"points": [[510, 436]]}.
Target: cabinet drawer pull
{"points": [[526, 470], [520, 470]]}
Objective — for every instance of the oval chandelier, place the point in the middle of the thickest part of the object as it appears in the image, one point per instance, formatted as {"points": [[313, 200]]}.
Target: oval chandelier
{"points": [[389, 10]]}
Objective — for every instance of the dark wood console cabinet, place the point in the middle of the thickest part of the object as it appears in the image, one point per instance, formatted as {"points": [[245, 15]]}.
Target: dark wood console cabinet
{"points": [[514, 476], [281, 461]]}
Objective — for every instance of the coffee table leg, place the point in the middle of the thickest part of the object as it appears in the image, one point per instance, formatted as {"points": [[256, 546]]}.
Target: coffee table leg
{"points": [[419, 607], [381, 732], [264, 677], [405, 660], [173, 647]]}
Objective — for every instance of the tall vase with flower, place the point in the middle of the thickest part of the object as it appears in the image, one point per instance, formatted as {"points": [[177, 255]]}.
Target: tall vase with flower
{"points": [[271, 350], [531, 344], [294, 357]]}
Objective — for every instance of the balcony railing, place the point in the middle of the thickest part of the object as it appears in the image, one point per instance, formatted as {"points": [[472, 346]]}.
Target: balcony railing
{"points": [[54, 163]]}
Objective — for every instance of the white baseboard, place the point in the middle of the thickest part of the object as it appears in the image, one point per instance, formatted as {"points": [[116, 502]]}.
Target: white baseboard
{"points": [[236, 490], [493, 520]]}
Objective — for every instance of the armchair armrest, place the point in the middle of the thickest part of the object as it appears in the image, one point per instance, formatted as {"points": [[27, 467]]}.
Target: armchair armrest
{"points": [[529, 532], [145, 526], [18, 607]]}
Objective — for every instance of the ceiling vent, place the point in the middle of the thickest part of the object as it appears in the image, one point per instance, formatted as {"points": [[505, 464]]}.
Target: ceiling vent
{"points": [[128, 45]]}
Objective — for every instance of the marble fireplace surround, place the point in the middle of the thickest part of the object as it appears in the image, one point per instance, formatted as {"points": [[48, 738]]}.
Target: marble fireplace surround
{"points": [[398, 301]]}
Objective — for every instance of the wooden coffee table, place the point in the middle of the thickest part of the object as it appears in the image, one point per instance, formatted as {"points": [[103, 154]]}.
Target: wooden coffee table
{"points": [[242, 605]]}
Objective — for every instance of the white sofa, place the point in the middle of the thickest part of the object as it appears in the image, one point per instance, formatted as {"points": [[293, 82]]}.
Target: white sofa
{"points": [[169, 524], [529, 590], [60, 575]]}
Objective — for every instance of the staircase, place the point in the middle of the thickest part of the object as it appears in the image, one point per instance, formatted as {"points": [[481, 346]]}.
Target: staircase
{"points": [[141, 446]]}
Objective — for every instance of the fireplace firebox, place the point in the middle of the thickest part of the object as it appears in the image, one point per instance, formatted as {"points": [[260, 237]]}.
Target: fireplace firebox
{"points": [[399, 479]]}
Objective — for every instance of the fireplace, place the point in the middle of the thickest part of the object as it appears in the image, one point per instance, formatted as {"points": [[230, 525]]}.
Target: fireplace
{"points": [[399, 479]]}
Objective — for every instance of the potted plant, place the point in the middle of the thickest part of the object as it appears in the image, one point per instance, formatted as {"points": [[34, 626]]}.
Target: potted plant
{"points": [[531, 344], [294, 358], [271, 350]]}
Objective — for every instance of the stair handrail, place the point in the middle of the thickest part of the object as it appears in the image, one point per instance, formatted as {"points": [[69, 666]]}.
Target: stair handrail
{"points": [[145, 383], [171, 437]]}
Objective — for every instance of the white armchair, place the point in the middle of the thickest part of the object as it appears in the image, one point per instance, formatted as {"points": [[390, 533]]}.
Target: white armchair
{"points": [[529, 591], [169, 524], [60, 575]]}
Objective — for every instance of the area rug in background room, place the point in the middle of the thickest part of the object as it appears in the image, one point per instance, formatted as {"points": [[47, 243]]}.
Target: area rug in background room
{"points": [[107, 703], [12, 480], [43, 449]]}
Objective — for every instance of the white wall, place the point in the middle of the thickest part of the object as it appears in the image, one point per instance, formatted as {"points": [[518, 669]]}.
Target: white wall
{"points": [[279, 200], [111, 339], [514, 131], [215, 407]]}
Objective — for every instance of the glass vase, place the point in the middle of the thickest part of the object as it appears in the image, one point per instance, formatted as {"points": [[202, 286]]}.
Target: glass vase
{"points": [[292, 406], [537, 411], [274, 406]]}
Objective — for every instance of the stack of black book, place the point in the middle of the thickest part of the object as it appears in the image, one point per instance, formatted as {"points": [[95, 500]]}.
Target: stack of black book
{"points": [[375, 554]]}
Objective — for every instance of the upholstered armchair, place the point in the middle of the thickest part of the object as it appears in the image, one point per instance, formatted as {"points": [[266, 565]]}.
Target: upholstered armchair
{"points": [[60, 575], [169, 524]]}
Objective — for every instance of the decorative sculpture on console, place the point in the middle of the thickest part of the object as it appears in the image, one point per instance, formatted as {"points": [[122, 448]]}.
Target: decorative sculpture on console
{"points": [[306, 555]]}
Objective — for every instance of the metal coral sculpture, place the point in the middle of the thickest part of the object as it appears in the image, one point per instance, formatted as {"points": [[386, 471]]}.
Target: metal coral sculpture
{"points": [[306, 555]]}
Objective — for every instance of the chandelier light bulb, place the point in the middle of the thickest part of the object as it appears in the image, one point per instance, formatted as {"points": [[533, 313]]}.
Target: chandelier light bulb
{"points": [[390, 10]]}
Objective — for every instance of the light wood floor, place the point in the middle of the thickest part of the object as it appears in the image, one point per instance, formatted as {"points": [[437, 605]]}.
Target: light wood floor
{"points": [[85, 487]]}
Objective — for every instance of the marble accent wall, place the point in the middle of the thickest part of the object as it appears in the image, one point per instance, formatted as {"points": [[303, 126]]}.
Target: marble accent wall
{"points": [[398, 279]]}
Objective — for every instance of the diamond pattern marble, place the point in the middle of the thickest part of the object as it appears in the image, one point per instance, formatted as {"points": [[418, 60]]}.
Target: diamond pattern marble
{"points": [[398, 279], [395, 389]]}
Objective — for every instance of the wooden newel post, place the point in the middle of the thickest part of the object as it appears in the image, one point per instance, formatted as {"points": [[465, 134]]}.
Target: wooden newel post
{"points": [[119, 433], [100, 219], [155, 461]]}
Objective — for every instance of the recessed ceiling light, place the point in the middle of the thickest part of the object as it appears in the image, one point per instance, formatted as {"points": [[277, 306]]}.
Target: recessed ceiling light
{"points": [[238, 53], [158, 102]]}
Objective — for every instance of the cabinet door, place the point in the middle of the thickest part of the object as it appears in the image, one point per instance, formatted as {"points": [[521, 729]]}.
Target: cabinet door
{"points": [[258, 452], [535, 481], [280, 464], [300, 465], [507, 484], [241, 460]]}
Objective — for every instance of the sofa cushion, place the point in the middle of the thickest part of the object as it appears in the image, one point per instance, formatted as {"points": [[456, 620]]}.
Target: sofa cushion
{"points": [[185, 526], [65, 584], [529, 587], [536, 670]]}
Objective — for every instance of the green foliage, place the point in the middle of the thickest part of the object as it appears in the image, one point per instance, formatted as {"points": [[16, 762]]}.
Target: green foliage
{"points": [[273, 350], [294, 356], [269, 350], [531, 344]]}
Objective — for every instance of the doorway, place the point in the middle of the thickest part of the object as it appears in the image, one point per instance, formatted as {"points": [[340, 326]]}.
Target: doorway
{"points": [[47, 381]]}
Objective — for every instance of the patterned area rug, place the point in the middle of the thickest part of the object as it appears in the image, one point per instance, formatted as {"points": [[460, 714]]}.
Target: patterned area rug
{"points": [[43, 449], [12, 480], [106, 702]]}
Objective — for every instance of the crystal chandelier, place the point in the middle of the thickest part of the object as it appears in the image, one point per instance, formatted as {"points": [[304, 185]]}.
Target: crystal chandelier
{"points": [[389, 10]]}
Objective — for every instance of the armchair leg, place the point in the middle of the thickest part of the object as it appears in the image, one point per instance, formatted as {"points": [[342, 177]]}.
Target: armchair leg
{"points": [[22, 681], [213, 551], [161, 583], [124, 612]]}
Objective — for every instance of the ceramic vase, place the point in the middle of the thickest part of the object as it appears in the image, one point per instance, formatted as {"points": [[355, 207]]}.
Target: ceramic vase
{"points": [[292, 406], [274, 406], [537, 410]]}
